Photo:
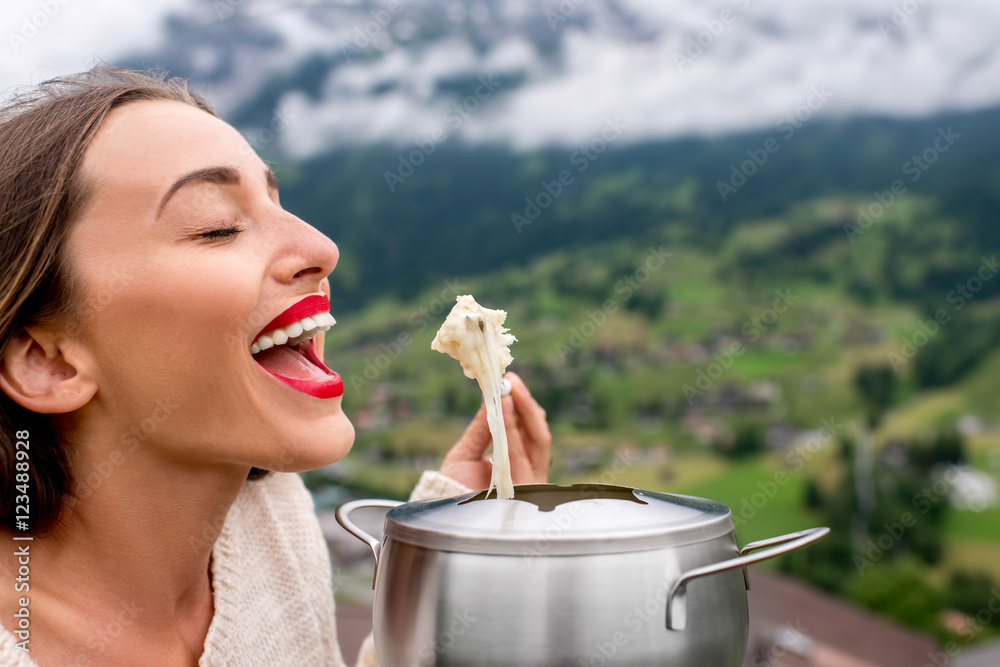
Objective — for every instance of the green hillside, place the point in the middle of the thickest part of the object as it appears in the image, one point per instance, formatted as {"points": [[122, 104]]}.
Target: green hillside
{"points": [[453, 215], [715, 347]]}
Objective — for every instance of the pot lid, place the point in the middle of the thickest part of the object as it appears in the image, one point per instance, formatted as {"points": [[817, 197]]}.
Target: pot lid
{"points": [[549, 520]]}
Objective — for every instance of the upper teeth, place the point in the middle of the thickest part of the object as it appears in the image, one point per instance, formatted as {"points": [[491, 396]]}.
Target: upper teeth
{"points": [[294, 333]]}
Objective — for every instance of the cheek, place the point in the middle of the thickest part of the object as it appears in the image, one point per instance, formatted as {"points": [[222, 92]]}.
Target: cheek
{"points": [[165, 295], [177, 329], [170, 338]]}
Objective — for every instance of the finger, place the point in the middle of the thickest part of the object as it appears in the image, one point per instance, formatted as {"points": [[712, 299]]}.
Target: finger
{"points": [[473, 442], [521, 468], [539, 462], [531, 417], [528, 408]]}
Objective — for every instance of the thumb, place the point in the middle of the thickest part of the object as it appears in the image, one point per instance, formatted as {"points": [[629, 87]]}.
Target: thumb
{"points": [[473, 443]]}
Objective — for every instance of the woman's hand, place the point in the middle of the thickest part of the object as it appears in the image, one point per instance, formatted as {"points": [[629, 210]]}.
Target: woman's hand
{"points": [[528, 441]]}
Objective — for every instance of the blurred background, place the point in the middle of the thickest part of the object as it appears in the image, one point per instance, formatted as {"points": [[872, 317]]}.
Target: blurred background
{"points": [[748, 247]]}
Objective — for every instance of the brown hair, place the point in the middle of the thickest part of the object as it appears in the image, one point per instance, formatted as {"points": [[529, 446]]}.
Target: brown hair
{"points": [[44, 134]]}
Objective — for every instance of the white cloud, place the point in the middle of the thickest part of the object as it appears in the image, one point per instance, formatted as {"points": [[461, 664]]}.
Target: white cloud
{"points": [[40, 39], [615, 59], [749, 74]]}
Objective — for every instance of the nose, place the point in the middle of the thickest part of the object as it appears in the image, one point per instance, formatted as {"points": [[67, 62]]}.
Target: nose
{"points": [[304, 253]]}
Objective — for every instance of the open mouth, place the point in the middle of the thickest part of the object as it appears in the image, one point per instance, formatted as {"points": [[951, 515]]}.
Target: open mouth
{"points": [[285, 348]]}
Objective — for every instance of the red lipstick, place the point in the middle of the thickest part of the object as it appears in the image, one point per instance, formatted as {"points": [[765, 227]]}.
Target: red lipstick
{"points": [[303, 360], [330, 387], [311, 305]]}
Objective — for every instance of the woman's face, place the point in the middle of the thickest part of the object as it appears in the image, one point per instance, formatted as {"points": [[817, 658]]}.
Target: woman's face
{"points": [[182, 258]]}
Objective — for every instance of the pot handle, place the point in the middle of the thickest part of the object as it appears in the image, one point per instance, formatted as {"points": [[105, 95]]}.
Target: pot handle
{"points": [[343, 515], [677, 598]]}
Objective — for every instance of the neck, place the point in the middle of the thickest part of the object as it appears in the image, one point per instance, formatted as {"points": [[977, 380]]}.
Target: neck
{"points": [[138, 536]]}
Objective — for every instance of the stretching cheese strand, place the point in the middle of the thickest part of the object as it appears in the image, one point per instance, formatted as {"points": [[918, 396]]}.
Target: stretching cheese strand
{"points": [[475, 336]]}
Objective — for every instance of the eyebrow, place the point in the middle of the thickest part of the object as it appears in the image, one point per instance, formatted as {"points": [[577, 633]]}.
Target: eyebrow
{"points": [[221, 175]]}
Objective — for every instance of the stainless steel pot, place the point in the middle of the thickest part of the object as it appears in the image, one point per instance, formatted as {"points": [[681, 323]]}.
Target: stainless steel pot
{"points": [[584, 576]]}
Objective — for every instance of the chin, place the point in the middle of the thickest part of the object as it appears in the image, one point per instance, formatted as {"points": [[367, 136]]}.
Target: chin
{"points": [[322, 445]]}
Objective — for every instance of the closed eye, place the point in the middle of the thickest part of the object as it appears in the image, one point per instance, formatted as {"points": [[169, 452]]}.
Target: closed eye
{"points": [[221, 233]]}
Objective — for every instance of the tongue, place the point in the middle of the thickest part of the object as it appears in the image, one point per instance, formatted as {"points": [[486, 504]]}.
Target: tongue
{"points": [[286, 362]]}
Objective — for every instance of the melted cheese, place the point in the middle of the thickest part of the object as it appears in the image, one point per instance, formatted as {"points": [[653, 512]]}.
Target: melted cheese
{"points": [[475, 336]]}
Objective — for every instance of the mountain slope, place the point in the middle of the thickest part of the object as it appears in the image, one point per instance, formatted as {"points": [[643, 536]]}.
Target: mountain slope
{"points": [[350, 73], [464, 210]]}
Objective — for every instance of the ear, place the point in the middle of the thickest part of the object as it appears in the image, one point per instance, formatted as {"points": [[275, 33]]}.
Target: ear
{"points": [[44, 371]]}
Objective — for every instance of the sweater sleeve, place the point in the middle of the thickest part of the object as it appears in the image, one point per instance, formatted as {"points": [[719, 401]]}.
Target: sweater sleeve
{"points": [[432, 484]]}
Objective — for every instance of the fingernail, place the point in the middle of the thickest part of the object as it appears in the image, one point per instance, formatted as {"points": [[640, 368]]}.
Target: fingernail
{"points": [[505, 387]]}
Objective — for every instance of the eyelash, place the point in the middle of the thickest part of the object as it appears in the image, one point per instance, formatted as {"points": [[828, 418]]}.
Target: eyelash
{"points": [[222, 233]]}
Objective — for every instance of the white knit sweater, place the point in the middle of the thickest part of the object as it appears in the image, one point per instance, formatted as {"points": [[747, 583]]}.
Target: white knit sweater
{"points": [[271, 581]]}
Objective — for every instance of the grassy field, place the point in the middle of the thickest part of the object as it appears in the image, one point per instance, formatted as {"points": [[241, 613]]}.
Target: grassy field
{"points": [[762, 505], [767, 504], [621, 387], [968, 554], [983, 525]]}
